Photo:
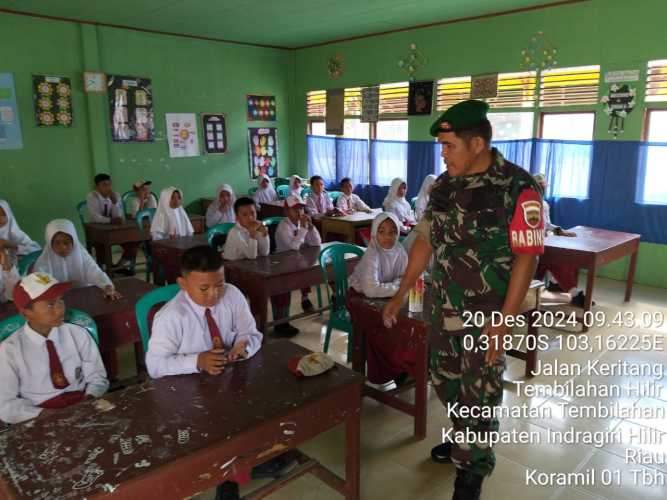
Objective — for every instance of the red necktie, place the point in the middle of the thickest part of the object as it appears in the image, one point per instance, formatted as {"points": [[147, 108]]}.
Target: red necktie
{"points": [[57, 375], [213, 329], [319, 204]]}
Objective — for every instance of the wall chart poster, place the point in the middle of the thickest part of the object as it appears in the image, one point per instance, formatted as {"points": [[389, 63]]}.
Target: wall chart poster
{"points": [[131, 109], [10, 126], [420, 98], [53, 100], [214, 130], [261, 108], [263, 151], [182, 135]]}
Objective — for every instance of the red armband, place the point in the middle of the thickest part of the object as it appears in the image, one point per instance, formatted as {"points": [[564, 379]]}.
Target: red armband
{"points": [[526, 232]]}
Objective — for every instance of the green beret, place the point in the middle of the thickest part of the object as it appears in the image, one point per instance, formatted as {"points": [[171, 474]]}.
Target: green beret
{"points": [[461, 116]]}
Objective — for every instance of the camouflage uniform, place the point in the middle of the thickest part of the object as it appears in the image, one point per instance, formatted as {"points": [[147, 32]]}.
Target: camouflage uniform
{"points": [[467, 224]]}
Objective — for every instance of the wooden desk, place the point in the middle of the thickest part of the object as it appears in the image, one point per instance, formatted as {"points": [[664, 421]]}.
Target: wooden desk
{"points": [[590, 249], [264, 277], [186, 433], [347, 225], [167, 256], [272, 209]]}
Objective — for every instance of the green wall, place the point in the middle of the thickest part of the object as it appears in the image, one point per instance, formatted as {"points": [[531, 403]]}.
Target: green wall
{"points": [[55, 168], [604, 32]]}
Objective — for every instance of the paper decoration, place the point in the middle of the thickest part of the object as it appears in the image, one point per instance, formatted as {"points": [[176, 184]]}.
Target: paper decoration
{"points": [[420, 98], [182, 135], [413, 61], [261, 108], [94, 82], [335, 66], [630, 75], [131, 109], [214, 132], [484, 86], [370, 104], [263, 152], [540, 53], [53, 100], [617, 105], [10, 125], [335, 114]]}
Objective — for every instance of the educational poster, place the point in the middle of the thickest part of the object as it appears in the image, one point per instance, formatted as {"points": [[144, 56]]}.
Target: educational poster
{"points": [[182, 135], [261, 108], [370, 104], [53, 100], [10, 126], [263, 152], [420, 98], [131, 109], [484, 86], [214, 131]]}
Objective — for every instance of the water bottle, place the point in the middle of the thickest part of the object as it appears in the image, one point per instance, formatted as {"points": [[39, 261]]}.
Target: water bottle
{"points": [[416, 303]]}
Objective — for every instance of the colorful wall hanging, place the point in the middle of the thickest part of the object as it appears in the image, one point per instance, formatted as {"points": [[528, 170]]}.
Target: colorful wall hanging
{"points": [[540, 53], [261, 108], [370, 104], [10, 125], [484, 86], [413, 61], [214, 130], [182, 135], [131, 109], [263, 152], [617, 105], [420, 98], [53, 100], [335, 66]]}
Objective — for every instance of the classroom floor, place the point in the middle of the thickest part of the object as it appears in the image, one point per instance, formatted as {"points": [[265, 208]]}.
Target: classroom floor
{"points": [[395, 466]]}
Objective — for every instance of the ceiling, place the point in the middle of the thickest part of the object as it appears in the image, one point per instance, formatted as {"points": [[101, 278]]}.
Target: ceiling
{"points": [[283, 23]]}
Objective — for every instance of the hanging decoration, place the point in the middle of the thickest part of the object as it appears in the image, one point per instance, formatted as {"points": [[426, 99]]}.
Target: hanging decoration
{"points": [[420, 98], [540, 53], [412, 62], [261, 108], [370, 104], [182, 135], [617, 105], [53, 100], [336, 66], [131, 109]]}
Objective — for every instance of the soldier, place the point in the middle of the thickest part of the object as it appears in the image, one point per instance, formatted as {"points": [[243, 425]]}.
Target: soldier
{"points": [[484, 227]]}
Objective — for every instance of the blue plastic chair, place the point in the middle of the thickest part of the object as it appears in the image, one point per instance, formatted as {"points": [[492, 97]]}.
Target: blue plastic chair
{"points": [[9, 325], [334, 195], [144, 305], [218, 229], [413, 201], [339, 316], [305, 192], [280, 181], [252, 191], [148, 213], [128, 195], [81, 208], [27, 261], [282, 191], [270, 221]]}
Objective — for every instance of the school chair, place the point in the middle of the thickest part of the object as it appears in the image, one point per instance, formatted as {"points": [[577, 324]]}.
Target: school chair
{"points": [[282, 191], [252, 191], [305, 192], [217, 230], [127, 196], [339, 316], [27, 261], [280, 181], [144, 305], [413, 202], [147, 213], [334, 195], [81, 210], [74, 316]]}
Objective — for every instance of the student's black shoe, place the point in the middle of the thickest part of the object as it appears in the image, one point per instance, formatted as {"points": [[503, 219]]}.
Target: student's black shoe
{"points": [[227, 491], [468, 486], [554, 287], [276, 467], [442, 454], [579, 300], [401, 379], [307, 306], [285, 330]]}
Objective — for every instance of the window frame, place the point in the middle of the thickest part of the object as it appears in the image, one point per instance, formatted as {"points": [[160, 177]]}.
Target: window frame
{"points": [[540, 129]]}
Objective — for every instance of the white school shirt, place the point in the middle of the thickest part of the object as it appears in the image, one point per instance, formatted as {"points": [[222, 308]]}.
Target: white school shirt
{"points": [[548, 225], [293, 237], [8, 280], [352, 202], [170, 221], [213, 214], [135, 205], [25, 374], [12, 232], [98, 206], [240, 245], [318, 205], [180, 332]]}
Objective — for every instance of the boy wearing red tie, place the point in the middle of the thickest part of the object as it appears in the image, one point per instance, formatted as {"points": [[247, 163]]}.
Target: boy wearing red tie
{"points": [[46, 364]]}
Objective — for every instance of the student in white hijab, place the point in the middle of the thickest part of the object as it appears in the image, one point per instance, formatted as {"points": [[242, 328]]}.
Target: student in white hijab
{"points": [[424, 195], [396, 203], [379, 272], [11, 234], [222, 208], [265, 192], [170, 220], [67, 260], [295, 187]]}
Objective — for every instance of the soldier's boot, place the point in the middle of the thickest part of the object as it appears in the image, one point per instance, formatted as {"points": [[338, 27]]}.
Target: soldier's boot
{"points": [[468, 486], [442, 454]]}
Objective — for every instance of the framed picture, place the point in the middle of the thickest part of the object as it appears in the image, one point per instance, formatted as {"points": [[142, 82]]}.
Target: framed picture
{"points": [[53, 101], [261, 108], [263, 151], [420, 98], [131, 109], [214, 130]]}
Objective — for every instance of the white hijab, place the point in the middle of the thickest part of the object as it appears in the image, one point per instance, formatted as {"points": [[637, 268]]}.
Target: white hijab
{"points": [[398, 204], [171, 221], [13, 233], [292, 189], [265, 195], [423, 196], [78, 267], [214, 215]]}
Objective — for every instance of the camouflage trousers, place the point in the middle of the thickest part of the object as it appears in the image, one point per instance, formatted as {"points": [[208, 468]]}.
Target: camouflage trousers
{"points": [[461, 376]]}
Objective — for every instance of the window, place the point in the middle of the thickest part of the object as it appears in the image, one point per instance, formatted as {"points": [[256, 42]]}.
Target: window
{"points": [[392, 130], [652, 185], [352, 102], [318, 128], [394, 98], [355, 129], [568, 126], [515, 90], [511, 126], [316, 103], [389, 153], [451, 91], [569, 86], [656, 81]]}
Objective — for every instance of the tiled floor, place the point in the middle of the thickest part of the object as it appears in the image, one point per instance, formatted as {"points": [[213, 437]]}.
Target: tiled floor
{"points": [[395, 466]]}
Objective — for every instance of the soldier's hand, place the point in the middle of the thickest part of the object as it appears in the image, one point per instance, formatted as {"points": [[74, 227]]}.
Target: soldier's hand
{"points": [[390, 312], [496, 336]]}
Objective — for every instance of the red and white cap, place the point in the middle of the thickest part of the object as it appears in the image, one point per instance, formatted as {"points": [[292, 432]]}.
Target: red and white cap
{"points": [[294, 200], [36, 287], [311, 364]]}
